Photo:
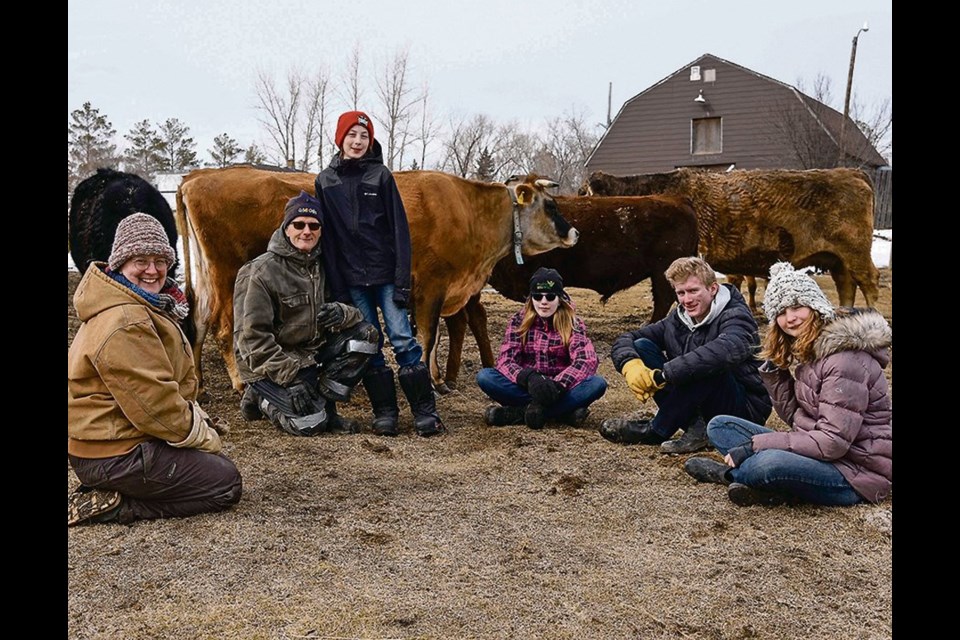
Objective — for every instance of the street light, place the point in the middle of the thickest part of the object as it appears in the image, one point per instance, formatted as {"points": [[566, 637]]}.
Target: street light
{"points": [[846, 100]]}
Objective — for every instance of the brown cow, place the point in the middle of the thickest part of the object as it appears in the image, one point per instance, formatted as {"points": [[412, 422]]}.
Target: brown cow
{"points": [[751, 219], [458, 230], [623, 241]]}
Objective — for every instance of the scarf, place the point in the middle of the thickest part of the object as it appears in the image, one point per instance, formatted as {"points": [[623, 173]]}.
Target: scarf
{"points": [[170, 300]]}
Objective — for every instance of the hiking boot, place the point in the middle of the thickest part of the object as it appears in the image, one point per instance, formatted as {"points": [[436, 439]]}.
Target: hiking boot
{"points": [[694, 438], [250, 405], [575, 418], [498, 416], [745, 496], [90, 505], [623, 431], [707, 470], [533, 416]]}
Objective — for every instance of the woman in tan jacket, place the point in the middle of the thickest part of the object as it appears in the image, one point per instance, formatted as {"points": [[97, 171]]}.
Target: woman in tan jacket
{"points": [[137, 439]]}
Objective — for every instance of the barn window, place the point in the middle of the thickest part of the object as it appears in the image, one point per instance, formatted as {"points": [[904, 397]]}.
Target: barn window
{"points": [[706, 136]]}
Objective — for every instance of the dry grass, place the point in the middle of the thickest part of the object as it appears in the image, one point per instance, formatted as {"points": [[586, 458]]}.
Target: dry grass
{"points": [[482, 533]]}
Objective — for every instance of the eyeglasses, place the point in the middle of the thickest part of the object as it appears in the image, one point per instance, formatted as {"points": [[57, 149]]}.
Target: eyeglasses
{"points": [[300, 224], [540, 296], [143, 264]]}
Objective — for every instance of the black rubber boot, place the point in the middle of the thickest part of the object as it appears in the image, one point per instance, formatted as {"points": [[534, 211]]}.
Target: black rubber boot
{"points": [[417, 386], [498, 416], [533, 417], [339, 424], [745, 496], [382, 392], [576, 418]]}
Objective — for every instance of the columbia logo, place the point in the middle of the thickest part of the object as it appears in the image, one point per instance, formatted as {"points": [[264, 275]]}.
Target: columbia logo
{"points": [[369, 193]]}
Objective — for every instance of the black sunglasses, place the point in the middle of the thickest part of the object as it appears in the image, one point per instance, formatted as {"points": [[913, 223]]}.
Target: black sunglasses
{"points": [[300, 224], [540, 296]]}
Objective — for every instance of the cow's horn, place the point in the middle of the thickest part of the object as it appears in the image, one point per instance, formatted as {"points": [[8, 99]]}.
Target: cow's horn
{"points": [[547, 184]]}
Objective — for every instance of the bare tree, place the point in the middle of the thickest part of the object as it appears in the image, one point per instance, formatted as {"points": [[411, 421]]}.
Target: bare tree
{"points": [[280, 111], [315, 106], [351, 90], [398, 102], [428, 126], [464, 142], [876, 124], [567, 142]]}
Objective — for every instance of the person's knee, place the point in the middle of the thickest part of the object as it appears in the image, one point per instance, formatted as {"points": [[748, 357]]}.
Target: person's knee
{"points": [[232, 487]]}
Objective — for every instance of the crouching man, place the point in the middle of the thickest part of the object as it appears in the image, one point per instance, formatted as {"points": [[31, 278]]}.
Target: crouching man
{"points": [[297, 354], [698, 362]]}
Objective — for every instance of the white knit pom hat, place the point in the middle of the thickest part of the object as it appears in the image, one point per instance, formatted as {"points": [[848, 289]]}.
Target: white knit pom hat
{"points": [[791, 288]]}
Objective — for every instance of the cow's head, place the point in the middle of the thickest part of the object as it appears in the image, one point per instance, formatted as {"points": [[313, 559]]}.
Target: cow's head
{"points": [[541, 224]]}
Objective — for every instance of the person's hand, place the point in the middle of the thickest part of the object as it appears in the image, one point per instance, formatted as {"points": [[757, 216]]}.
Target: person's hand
{"points": [[401, 297], [639, 378], [737, 455], [524, 376], [302, 397], [330, 315], [544, 390]]}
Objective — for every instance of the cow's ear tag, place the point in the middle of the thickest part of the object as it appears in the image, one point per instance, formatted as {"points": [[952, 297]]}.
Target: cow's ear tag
{"points": [[522, 191]]}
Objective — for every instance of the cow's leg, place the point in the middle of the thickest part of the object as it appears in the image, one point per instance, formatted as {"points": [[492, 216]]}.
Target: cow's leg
{"points": [[456, 332], [428, 321], [869, 284], [846, 287], [477, 319], [663, 295], [752, 291]]}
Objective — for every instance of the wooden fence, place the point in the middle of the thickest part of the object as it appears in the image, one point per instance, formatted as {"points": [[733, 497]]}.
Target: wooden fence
{"points": [[883, 198]]}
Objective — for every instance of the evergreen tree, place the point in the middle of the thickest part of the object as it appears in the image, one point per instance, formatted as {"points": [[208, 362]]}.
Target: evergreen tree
{"points": [[177, 149], [89, 143], [414, 166], [144, 157], [254, 155], [225, 151], [485, 166]]}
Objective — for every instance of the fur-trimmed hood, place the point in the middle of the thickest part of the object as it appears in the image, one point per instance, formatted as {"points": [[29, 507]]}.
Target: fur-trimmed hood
{"points": [[856, 330]]}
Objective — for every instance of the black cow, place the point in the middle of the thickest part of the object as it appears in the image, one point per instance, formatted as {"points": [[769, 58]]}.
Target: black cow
{"points": [[98, 205], [623, 241]]}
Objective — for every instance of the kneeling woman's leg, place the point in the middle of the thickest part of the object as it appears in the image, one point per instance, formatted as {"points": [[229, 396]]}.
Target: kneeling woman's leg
{"points": [[582, 395], [797, 478], [727, 432], [156, 480]]}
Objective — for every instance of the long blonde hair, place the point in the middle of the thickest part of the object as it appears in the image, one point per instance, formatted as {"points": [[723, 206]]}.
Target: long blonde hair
{"points": [[784, 349], [562, 320]]}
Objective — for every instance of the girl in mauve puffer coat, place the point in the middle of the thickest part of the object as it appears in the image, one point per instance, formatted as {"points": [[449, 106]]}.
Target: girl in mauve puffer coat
{"points": [[837, 403]]}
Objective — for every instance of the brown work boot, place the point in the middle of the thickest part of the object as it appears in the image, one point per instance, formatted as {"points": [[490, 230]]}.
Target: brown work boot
{"points": [[89, 505]]}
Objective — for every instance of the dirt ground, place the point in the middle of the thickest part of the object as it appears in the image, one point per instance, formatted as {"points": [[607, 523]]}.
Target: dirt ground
{"points": [[482, 533]]}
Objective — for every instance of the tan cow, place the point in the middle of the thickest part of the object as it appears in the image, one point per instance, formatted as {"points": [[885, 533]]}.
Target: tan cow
{"points": [[458, 230], [749, 220]]}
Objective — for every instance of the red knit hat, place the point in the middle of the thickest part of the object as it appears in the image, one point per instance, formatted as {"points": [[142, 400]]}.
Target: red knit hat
{"points": [[349, 119]]}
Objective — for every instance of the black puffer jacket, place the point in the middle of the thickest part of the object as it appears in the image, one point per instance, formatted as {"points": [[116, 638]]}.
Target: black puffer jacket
{"points": [[366, 239], [730, 341]]}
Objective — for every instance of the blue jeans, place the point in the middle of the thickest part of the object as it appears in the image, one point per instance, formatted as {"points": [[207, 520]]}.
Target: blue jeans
{"points": [[679, 405], [498, 386], [406, 349], [784, 472]]}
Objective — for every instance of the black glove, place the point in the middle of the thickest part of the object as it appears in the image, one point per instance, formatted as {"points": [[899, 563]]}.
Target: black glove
{"points": [[302, 397], [524, 376], [330, 315], [741, 453], [401, 297], [544, 390]]}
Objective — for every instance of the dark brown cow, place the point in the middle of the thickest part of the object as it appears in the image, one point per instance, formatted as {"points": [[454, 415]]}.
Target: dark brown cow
{"points": [[458, 229], [749, 220], [623, 241]]}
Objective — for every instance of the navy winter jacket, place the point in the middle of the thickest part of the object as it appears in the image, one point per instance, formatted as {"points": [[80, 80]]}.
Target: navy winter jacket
{"points": [[730, 341]]}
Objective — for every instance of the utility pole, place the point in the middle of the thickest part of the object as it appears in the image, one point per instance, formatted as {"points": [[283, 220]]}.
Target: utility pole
{"points": [[846, 100]]}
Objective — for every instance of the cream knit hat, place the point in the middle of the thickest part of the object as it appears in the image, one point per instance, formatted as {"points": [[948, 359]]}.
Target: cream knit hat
{"points": [[791, 288]]}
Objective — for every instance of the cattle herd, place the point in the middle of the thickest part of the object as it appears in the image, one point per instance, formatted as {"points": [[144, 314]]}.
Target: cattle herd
{"points": [[467, 234]]}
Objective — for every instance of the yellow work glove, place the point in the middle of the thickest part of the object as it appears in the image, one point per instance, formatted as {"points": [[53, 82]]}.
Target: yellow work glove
{"points": [[639, 378]]}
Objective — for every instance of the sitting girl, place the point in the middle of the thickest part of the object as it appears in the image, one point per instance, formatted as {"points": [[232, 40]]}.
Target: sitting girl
{"points": [[839, 447], [547, 365]]}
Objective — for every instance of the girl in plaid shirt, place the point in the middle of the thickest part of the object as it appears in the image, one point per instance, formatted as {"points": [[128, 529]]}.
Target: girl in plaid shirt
{"points": [[547, 365]]}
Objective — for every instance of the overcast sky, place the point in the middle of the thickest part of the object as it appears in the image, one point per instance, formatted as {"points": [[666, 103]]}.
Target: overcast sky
{"points": [[520, 60]]}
